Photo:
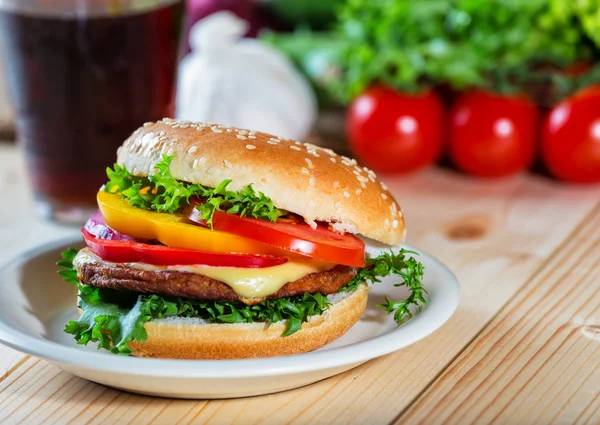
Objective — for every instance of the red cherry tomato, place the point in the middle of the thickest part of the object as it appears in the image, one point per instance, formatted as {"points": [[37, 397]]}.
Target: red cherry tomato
{"points": [[394, 132], [571, 137], [297, 237], [119, 251], [492, 135]]}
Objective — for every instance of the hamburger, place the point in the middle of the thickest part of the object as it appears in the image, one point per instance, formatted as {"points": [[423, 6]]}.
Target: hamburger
{"points": [[213, 242]]}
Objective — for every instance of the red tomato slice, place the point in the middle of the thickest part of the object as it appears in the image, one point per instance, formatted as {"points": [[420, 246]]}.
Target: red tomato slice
{"points": [[300, 238], [130, 252]]}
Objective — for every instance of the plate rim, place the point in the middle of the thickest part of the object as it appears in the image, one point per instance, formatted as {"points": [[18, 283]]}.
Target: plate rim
{"points": [[422, 325]]}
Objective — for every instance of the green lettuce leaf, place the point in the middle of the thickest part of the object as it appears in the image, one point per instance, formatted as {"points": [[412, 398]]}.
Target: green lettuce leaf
{"points": [[108, 321], [113, 319], [161, 192]]}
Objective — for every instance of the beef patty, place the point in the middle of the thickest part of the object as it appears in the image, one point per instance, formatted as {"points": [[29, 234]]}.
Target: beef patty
{"points": [[101, 274]]}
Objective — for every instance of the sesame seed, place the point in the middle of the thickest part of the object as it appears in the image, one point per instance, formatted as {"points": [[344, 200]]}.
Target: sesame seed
{"points": [[251, 136], [353, 161], [346, 194], [216, 130], [383, 186], [395, 224], [227, 163], [356, 172], [386, 223], [358, 191], [272, 142], [305, 170], [250, 147], [311, 223], [310, 146], [297, 143], [332, 160], [243, 132], [384, 196], [273, 139], [338, 205], [210, 170], [239, 136], [147, 124], [310, 163], [192, 149], [229, 130], [184, 125], [312, 181], [363, 185], [336, 184], [314, 153], [330, 152], [296, 148], [372, 178], [195, 164]]}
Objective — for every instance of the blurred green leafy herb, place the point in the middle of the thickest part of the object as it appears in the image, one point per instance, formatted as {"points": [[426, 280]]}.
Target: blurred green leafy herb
{"points": [[499, 45]]}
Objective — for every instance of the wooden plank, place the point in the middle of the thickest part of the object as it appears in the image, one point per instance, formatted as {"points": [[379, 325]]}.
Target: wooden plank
{"points": [[9, 361], [539, 359], [493, 235]]}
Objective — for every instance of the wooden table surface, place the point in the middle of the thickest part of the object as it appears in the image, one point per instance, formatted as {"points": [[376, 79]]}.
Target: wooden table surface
{"points": [[523, 347]]}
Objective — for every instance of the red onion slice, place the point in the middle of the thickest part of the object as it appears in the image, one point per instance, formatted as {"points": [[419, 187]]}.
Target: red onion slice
{"points": [[97, 226]]}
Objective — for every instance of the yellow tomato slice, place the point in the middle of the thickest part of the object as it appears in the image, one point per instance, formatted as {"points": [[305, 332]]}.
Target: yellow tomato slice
{"points": [[174, 229]]}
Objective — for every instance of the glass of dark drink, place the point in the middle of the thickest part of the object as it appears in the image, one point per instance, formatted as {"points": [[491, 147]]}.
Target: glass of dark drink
{"points": [[82, 75]]}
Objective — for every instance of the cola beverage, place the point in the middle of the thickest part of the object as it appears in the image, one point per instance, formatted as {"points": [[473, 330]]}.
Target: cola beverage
{"points": [[83, 75]]}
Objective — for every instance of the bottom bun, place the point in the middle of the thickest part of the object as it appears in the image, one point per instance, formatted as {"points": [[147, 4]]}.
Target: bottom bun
{"points": [[188, 338]]}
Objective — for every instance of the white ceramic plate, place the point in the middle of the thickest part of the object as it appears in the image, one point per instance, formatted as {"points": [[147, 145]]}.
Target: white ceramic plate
{"points": [[35, 304]]}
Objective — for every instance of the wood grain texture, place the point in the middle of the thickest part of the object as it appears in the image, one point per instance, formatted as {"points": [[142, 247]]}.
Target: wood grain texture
{"points": [[539, 360], [494, 235]]}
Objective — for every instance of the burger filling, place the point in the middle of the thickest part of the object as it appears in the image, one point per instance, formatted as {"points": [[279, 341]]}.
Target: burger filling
{"points": [[161, 248]]}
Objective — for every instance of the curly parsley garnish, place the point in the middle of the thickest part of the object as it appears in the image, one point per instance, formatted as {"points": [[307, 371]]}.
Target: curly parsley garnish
{"points": [[399, 264], [161, 192]]}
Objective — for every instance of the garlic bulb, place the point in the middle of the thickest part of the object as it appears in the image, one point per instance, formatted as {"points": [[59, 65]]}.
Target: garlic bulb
{"points": [[231, 80]]}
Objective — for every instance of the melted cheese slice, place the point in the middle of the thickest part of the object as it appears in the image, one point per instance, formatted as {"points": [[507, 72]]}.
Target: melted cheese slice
{"points": [[246, 282]]}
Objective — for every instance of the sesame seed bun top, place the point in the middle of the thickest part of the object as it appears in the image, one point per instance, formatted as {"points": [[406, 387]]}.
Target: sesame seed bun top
{"points": [[307, 180]]}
